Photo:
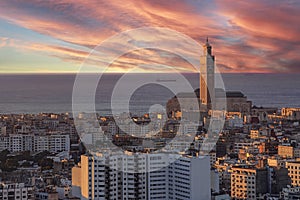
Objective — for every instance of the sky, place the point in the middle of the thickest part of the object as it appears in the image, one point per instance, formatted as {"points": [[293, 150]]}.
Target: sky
{"points": [[257, 36]]}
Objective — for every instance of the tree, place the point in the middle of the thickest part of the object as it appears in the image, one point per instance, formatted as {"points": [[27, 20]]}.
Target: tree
{"points": [[3, 155], [26, 164], [10, 165], [40, 156], [46, 163]]}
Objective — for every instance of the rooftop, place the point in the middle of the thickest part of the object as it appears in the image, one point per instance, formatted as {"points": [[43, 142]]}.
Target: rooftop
{"points": [[234, 94]]}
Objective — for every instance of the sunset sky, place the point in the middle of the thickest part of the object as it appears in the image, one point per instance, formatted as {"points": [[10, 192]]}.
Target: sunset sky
{"points": [[55, 36]]}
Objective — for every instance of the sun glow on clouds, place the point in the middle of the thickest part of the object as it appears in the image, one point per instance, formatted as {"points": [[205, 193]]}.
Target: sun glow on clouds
{"points": [[247, 36]]}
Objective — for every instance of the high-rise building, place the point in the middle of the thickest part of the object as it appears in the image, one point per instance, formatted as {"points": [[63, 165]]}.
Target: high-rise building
{"points": [[207, 75], [142, 176], [189, 178]]}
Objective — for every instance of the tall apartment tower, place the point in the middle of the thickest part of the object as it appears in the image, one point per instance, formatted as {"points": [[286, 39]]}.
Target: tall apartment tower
{"points": [[207, 76], [181, 177]]}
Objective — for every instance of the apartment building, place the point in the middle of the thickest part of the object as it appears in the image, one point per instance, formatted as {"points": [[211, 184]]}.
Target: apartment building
{"points": [[36, 143], [294, 172], [247, 182], [142, 176], [17, 191]]}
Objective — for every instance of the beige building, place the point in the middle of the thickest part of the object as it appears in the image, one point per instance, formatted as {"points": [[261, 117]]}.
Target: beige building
{"points": [[294, 172], [254, 134], [288, 151], [276, 162], [285, 151], [247, 183], [81, 178], [291, 113], [76, 180]]}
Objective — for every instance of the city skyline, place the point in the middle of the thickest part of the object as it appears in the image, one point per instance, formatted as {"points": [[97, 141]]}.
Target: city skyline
{"points": [[55, 37], [149, 99]]}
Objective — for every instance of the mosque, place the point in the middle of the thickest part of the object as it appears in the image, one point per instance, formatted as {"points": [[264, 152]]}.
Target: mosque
{"points": [[236, 100], [208, 94]]}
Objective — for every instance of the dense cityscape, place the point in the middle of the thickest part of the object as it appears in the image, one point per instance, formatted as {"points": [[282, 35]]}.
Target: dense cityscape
{"points": [[256, 156], [149, 100]]}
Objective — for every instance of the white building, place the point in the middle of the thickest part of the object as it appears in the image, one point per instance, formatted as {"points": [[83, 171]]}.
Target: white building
{"points": [[16, 143], [41, 143], [4, 143], [142, 176], [36, 143], [58, 143], [15, 191], [189, 178]]}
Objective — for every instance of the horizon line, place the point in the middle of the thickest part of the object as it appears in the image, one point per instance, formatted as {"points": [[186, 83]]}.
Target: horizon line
{"points": [[74, 73]]}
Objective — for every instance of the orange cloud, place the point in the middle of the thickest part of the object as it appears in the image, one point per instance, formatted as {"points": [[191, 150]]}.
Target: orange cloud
{"points": [[247, 36], [269, 32]]}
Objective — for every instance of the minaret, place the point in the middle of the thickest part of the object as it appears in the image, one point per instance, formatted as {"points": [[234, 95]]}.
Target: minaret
{"points": [[207, 76]]}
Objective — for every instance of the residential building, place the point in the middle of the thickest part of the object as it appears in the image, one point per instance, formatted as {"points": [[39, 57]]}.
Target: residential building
{"points": [[142, 176], [15, 191], [248, 182], [35, 143], [286, 151], [294, 172]]}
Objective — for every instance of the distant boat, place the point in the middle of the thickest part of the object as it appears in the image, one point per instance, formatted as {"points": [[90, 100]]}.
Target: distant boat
{"points": [[165, 80]]}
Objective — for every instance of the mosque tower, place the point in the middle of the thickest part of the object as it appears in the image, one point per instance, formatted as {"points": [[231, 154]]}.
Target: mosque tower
{"points": [[207, 76]]}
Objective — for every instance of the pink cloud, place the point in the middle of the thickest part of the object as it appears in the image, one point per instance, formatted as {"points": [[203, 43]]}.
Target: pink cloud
{"points": [[247, 36], [3, 42]]}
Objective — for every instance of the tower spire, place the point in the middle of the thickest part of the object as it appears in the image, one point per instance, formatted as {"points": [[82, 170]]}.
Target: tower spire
{"points": [[207, 42], [207, 48]]}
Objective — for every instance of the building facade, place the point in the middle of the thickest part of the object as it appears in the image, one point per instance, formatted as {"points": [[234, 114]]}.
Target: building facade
{"points": [[247, 183], [294, 172], [17, 191], [35, 143], [151, 176]]}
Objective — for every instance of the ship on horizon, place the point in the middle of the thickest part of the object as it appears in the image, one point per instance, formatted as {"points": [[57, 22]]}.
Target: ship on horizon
{"points": [[165, 80]]}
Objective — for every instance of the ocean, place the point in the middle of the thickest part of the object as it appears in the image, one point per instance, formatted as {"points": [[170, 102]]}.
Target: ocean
{"points": [[52, 93]]}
